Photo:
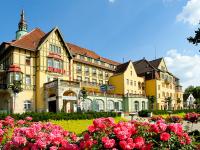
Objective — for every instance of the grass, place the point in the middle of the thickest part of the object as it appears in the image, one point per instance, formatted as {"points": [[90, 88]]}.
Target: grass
{"points": [[78, 126]]}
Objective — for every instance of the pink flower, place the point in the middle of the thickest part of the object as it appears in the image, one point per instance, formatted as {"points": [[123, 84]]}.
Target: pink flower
{"points": [[126, 145], [19, 141], [1, 132], [53, 148], [165, 136], [29, 118], [91, 128], [21, 122], [139, 142], [108, 143]]}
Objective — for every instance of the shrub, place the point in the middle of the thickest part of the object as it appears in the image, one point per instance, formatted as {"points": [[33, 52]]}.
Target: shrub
{"points": [[156, 118], [174, 119], [144, 113], [192, 117], [46, 116], [104, 133]]}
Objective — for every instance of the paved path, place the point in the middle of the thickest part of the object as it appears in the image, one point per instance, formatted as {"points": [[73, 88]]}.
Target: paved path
{"points": [[195, 126]]}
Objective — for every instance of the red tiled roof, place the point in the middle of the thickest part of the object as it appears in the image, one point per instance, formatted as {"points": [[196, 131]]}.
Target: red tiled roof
{"points": [[83, 51], [33, 39], [29, 41]]}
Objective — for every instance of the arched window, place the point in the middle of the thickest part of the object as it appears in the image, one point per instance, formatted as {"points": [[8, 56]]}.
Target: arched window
{"points": [[27, 105], [143, 105], [136, 106], [87, 105], [110, 105], [100, 104]]}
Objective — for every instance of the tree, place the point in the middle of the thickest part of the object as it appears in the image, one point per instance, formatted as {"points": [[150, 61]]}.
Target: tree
{"points": [[152, 100], [16, 87], [196, 38], [195, 91]]}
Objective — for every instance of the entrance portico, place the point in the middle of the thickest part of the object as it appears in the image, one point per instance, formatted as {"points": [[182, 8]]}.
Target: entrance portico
{"points": [[62, 95]]}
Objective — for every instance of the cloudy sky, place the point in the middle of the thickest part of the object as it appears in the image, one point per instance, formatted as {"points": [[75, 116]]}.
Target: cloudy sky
{"points": [[117, 29]]}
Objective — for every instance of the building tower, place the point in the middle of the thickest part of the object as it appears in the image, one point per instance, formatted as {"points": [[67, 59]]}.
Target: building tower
{"points": [[22, 27]]}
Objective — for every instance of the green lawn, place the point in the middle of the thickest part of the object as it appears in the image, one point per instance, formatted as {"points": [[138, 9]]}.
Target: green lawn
{"points": [[77, 126]]}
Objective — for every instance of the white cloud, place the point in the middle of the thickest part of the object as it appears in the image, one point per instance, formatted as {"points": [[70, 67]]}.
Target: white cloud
{"points": [[185, 67], [111, 1], [190, 12]]}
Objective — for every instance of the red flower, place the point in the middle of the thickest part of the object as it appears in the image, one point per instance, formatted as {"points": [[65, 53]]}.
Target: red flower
{"points": [[139, 142], [91, 128], [165, 136], [108, 143]]}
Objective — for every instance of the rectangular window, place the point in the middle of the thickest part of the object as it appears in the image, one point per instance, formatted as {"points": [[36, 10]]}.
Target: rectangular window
{"points": [[28, 61], [89, 59], [78, 68], [134, 83], [54, 48], [94, 71], [56, 64], [86, 69], [28, 80], [82, 57], [27, 105], [50, 62], [100, 81], [131, 83], [158, 87], [127, 81]]}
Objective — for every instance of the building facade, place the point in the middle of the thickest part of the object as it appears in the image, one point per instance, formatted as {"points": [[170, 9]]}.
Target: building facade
{"points": [[52, 73]]}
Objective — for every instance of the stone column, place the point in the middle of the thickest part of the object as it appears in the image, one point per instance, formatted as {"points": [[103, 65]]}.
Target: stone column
{"points": [[59, 100], [46, 100]]}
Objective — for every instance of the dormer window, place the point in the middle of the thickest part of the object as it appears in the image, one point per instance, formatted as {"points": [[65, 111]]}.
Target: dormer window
{"points": [[82, 57]]}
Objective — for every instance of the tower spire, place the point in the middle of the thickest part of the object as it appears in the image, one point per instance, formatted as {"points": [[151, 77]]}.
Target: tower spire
{"points": [[22, 26]]}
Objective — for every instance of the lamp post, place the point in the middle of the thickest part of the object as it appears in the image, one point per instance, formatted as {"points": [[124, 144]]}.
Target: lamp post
{"points": [[14, 82]]}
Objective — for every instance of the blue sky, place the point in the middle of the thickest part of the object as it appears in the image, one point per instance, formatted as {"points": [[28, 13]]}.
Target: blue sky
{"points": [[117, 29]]}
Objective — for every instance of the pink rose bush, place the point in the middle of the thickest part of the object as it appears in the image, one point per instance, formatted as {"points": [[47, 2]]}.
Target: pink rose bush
{"points": [[104, 133], [192, 117]]}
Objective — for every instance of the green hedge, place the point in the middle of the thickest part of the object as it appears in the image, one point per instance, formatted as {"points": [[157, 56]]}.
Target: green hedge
{"points": [[46, 116], [162, 112]]}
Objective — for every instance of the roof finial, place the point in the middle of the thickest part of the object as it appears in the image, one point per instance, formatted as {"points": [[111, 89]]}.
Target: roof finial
{"points": [[22, 26]]}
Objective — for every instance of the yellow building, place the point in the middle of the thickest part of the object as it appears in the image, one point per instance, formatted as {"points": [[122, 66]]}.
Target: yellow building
{"points": [[53, 72], [160, 83]]}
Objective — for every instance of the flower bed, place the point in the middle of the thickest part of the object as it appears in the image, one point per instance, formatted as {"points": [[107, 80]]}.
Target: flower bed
{"points": [[174, 119], [192, 117], [104, 133]]}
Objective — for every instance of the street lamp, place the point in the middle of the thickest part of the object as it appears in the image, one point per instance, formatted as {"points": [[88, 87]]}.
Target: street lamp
{"points": [[14, 82]]}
